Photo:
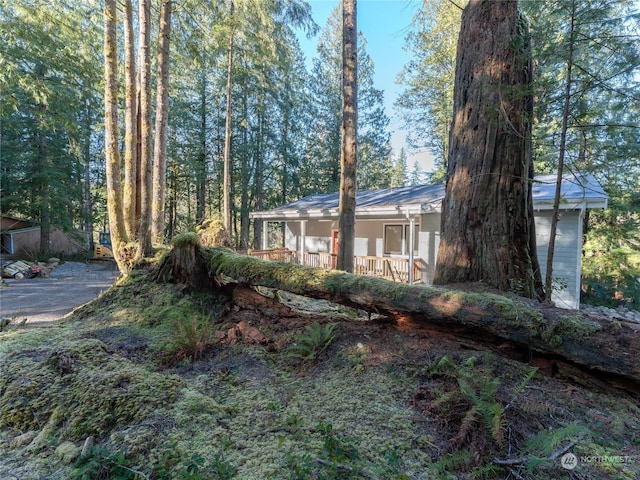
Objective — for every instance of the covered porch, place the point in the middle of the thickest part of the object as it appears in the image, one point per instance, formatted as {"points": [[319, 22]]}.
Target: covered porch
{"points": [[391, 268]]}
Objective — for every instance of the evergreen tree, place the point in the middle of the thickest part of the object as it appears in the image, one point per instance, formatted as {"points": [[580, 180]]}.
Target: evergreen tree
{"points": [[49, 72], [427, 99], [324, 135]]}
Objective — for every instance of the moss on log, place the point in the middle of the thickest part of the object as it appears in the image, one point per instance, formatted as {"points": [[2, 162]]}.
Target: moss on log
{"points": [[592, 343]]}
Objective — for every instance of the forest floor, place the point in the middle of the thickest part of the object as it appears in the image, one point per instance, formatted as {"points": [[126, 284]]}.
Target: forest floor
{"points": [[168, 383]]}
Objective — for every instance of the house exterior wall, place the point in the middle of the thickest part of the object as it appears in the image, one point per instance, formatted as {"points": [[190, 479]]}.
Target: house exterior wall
{"points": [[429, 243], [567, 257], [25, 243], [369, 242], [566, 260]]}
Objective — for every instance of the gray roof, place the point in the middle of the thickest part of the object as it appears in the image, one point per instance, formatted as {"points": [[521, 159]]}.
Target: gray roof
{"points": [[389, 202]]}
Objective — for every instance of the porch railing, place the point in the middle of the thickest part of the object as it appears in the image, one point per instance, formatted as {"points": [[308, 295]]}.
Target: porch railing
{"points": [[391, 268]]}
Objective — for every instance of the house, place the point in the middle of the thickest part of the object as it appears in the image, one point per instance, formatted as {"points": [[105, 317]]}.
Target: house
{"points": [[21, 238], [389, 221]]}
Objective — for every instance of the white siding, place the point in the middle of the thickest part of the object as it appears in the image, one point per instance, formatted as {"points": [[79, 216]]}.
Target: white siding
{"points": [[567, 257], [429, 243], [566, 260]]}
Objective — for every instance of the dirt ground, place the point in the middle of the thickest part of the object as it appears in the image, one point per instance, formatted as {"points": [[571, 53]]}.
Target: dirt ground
{"points": [[45, 299]]}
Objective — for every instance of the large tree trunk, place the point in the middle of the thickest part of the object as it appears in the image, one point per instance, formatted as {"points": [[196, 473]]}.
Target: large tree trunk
{"points": [[348, 159], [594, 346], [145, 173], [112, 153], [130, 125], [487, 212], [162, 116]]}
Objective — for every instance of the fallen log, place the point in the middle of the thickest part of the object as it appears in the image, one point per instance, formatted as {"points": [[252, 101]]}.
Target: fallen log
{"points": [[595, 344]]}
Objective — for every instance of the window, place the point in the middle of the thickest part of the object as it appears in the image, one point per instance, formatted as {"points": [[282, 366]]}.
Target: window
{"points": [[396, 239]]}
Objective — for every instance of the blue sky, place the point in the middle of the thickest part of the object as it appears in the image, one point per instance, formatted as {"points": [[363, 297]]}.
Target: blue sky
{"points": [[384, 24]]}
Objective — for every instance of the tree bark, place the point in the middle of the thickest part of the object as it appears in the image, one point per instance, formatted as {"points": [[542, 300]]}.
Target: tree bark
{"points": [[598, 346], [130, 125], [487, 213], [348, 159], [226, 185], [548, 281], [146, 172], [112, 153], [162, 118]]}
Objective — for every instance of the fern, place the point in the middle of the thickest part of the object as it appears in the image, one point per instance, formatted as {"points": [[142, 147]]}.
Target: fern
{"points": [[313, 341], [545, 442]]}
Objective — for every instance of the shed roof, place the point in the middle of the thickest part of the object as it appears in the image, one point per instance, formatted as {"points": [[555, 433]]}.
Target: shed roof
{"points": [[577, 192]]}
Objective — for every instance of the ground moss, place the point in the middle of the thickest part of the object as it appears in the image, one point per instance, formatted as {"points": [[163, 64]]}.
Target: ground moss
{"points": [[251, 409], [185, 240], [79, 389]]}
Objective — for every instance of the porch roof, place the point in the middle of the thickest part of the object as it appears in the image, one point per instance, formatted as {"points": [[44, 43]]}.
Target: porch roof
{"points": [[400, 202]]}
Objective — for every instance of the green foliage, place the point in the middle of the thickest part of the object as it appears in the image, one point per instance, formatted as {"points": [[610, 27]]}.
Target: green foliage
{"points": [[611, 263], [308, 345], [100, 464], [192, 336], [340, 459], [479, 390], [540, 447]]}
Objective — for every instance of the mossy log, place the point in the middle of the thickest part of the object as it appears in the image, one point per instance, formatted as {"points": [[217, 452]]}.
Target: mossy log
{"points": [[594, 344]]}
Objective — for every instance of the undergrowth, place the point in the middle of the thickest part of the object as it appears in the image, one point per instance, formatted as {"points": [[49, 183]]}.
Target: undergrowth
{"points": [[308, 345]]}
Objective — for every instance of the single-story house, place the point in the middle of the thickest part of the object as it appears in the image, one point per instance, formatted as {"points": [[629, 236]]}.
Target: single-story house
{"points": [[21, 238], [390, 220]]}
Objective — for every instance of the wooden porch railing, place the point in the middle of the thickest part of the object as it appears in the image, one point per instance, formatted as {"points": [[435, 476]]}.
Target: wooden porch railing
{"points": [[391, 268]]}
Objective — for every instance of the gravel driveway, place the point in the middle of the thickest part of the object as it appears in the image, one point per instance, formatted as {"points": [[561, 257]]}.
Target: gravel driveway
{"points": [[48, 299]]}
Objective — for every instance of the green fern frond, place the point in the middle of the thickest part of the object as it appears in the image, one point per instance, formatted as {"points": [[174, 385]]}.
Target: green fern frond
{"points": [[525, 381], [545, 442], [313, 341]]}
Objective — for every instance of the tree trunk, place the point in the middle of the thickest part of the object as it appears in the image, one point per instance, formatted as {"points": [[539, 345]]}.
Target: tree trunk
{"points": [[87, 205], [145, 173], [201, 167], [487, 213], [130, 125], [548, 281], [226, 186], [598, 346], [43, 167], [112, 153], [349, 155], [162, 118]]}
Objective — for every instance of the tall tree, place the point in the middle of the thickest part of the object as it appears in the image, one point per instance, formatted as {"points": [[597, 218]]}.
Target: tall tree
{"points": [[130, 194], [162, 114], [146, 172], [226, 194], [587, 82], [348, 160], [112, 152], [322, 171], [487, 228]]}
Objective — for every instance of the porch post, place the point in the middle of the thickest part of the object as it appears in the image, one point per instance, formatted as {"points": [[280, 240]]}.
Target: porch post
{"points": [[412, 225], [303, 239], [265, 234]]}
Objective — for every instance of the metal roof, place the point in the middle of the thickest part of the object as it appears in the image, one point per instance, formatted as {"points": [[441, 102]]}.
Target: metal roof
{"points": [[577, 192]]}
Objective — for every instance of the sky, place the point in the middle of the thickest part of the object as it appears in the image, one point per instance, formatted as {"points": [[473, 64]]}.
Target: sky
{"points": [[384, 24]]}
